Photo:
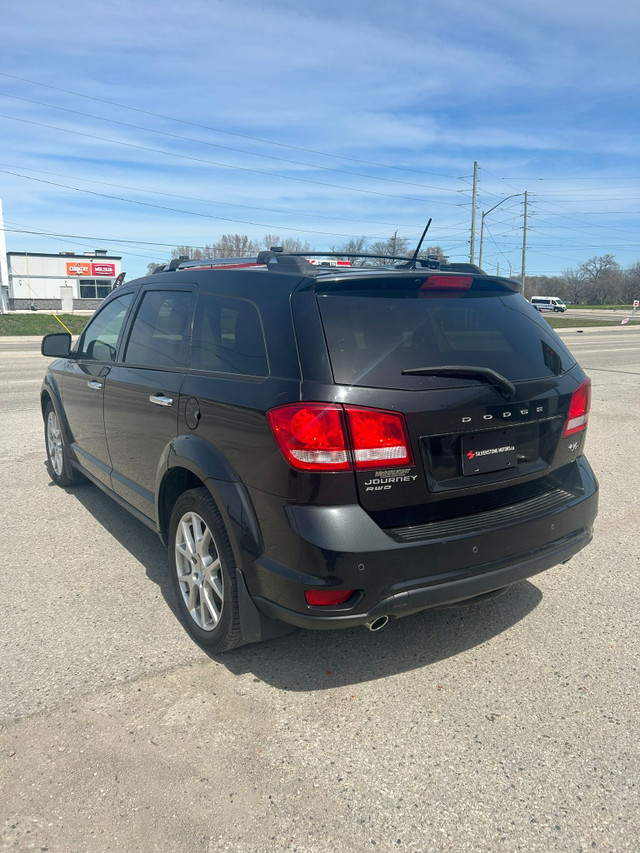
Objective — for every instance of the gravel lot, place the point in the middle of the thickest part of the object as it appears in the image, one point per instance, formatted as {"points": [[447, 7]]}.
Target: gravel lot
{"points": [[512, 726]]}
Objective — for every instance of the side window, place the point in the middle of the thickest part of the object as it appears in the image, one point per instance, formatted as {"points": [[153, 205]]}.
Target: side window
{"points": [[228, 337], [100, 338], [161, 330]]}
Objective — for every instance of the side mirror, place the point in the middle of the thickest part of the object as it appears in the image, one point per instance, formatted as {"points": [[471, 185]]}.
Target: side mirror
{"points": [[101, 351], [56, 345]]}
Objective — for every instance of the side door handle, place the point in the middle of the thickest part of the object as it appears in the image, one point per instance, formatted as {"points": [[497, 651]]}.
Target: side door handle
{"points": [[95, 384], [161, 400]]}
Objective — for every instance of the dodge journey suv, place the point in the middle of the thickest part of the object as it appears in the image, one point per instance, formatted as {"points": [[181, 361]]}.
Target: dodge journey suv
{"points": [[326, 447]]}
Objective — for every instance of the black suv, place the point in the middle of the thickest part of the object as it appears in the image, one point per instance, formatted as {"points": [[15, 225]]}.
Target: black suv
{"points": [[327, 447]]}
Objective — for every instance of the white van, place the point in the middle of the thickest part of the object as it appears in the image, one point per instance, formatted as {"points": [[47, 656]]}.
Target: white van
{"points": [[548, 303]]}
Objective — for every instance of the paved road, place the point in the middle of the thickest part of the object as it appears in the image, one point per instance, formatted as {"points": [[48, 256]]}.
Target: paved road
{"points": [[510, 726], [617, 314]]}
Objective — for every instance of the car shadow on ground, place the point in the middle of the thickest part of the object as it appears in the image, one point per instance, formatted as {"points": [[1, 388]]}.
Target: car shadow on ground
{"points": [[319, 660]]}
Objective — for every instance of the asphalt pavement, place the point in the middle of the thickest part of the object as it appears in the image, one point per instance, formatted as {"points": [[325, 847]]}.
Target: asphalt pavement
{"points": [[510, 726]]}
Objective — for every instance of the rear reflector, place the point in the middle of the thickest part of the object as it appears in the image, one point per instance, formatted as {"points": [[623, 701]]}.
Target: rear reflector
{"points": [[327, 597], [447, 282], [578, 409], [314, 437]]}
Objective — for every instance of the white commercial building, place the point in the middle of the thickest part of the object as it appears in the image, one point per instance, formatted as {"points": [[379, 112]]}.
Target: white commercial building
{"points": [[60, 282]]}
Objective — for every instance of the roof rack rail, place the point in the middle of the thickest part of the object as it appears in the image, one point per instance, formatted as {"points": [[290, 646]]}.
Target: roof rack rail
{"points": [[348, 255], [462, 267], [279, 262]]}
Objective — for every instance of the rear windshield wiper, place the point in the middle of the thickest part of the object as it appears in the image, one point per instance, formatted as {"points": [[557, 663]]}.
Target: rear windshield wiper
{"points": [[508, 388]]}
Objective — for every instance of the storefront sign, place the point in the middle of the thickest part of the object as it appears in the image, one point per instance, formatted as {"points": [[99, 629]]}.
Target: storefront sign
{"points": [[103, 269], [78, 268]]}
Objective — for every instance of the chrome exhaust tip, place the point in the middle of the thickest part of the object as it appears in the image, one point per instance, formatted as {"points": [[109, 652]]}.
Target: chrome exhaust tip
{"points": [[377, 624]]}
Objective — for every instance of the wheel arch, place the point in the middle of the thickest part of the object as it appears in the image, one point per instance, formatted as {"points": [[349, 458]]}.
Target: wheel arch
{"points": [[175, 482], [192, 462], [50, 393]]}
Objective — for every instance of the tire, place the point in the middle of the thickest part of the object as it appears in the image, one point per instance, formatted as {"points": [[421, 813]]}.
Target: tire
{"points": [[60, 469], [203, 572]]}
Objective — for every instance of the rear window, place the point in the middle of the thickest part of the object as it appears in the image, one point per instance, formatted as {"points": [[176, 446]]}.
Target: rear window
{"points": [[374, 335]]}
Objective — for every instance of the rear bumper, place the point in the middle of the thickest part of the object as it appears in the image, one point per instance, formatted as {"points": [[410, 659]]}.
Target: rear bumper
{"points": [[342, 547], [434, 595]]}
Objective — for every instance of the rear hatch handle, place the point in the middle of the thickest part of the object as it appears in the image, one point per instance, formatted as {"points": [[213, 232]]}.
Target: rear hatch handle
{"points": [[507, 388]]}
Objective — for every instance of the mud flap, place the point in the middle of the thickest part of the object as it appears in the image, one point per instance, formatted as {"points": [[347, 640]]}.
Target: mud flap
{"points": [[254, 625]]}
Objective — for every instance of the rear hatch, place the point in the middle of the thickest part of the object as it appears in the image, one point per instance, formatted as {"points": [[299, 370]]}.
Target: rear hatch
{"points": [[482, 381]]}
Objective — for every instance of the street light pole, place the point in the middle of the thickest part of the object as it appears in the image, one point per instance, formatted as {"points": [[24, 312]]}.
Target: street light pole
{"points": [[485, 213]]}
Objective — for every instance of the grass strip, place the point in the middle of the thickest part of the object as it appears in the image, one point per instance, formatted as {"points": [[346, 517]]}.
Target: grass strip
{"points": [[578, 322], [40, 324]]}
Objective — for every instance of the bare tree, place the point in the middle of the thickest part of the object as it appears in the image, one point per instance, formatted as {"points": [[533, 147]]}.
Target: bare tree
{"points": [[235, 246], [288, 244], [602, 275], [394, 245], [352, 246], [194, 254], [575, 286], [630, 284], [432, 250], [544, 285]]}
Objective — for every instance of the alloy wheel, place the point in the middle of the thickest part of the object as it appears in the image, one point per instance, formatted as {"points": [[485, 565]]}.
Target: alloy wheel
{"points": [[54, 444], [199, 571]]}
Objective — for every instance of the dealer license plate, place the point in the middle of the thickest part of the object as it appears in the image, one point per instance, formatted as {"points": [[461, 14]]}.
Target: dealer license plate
{"points": [[488, 451]]}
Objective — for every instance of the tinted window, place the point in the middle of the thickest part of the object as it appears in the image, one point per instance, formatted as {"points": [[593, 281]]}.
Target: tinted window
{"points": [[373, 337], [100, 338], [161, 330], [228, 337]]}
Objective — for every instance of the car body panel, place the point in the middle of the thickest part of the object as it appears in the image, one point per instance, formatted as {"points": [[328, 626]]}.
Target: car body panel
{"points": [[128, 414]]}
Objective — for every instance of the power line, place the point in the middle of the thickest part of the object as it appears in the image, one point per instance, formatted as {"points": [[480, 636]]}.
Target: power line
{"points": [[23, 230], [576, 231], [175, 119], [120, 240], [205, 200], [224, 147], [174, 209], [214, 162]]}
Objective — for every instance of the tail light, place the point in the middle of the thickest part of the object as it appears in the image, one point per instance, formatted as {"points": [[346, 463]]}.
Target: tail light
{"points": [[331, 437], [311, 436], [379, 438], [578, 409], [327, 597]]}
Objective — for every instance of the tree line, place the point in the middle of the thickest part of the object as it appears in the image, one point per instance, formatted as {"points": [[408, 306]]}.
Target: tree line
{"points": [[242, 246], [599, 281]]}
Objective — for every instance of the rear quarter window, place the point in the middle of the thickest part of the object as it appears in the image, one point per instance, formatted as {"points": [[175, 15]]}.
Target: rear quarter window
{"points": [[228, 337]]}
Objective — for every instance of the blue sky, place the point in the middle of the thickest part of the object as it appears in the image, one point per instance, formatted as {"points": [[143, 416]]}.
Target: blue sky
{"points": [[322, 121]]}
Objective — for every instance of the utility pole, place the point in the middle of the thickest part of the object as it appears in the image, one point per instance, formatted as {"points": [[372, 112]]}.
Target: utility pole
{"points": [[524, 244], [473, 212]]}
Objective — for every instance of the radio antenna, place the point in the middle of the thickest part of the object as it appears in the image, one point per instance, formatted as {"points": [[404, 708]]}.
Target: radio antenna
{"points": [[412, 263]]}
